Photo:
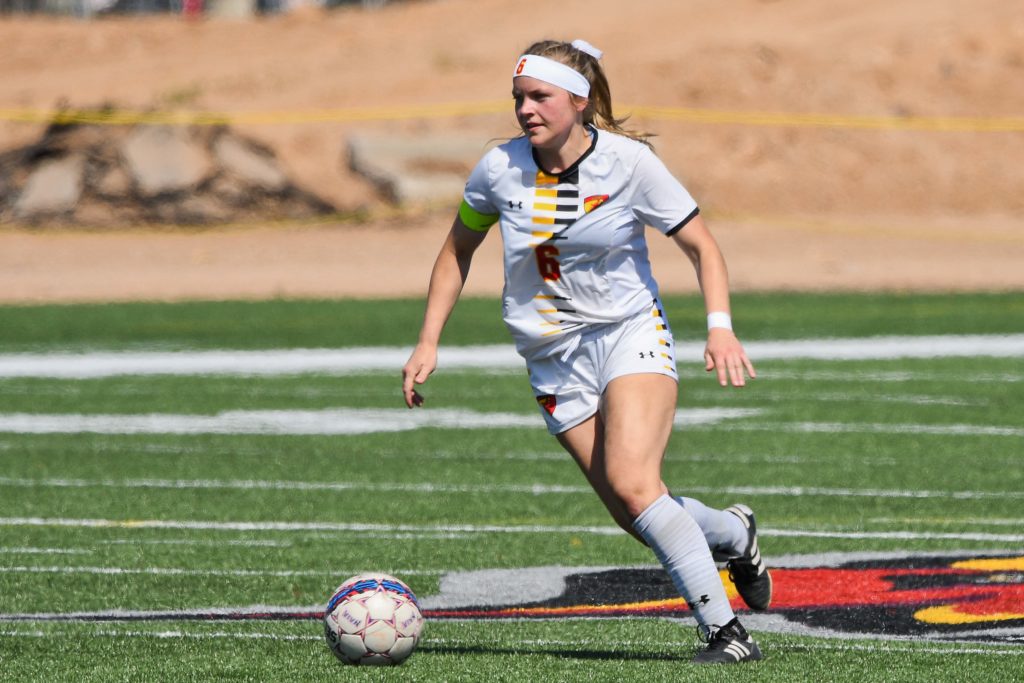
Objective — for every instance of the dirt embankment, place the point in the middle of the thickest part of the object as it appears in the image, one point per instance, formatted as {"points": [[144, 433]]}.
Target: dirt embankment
{"points": [[795, 204]]}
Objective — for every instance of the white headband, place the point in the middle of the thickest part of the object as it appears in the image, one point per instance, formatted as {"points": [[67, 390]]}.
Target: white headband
{"points": [[555, 73]]}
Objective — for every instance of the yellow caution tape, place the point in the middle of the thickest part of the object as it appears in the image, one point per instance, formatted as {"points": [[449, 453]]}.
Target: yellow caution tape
{"points": [[118, 117], [1010, 124], [927, 123]]}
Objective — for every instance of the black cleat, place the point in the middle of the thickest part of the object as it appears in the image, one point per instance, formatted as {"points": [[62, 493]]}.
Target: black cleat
{"points": [[748, 572], [730, 644]]}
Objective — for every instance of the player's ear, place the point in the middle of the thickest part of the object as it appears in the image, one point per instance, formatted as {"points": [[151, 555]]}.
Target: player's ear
{"points": [[579, 103]]}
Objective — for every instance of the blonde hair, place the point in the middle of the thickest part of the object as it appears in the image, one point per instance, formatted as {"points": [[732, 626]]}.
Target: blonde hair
{"points": [[599, 110]]}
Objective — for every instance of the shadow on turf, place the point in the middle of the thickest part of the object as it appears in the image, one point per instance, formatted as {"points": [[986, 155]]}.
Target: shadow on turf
{"points": [[609, 655]]}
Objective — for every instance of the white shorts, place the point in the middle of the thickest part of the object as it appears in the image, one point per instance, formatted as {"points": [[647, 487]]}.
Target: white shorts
{"points": [[569, 388]]}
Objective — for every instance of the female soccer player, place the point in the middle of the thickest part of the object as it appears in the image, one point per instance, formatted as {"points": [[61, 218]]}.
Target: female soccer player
{"points": [[573, 195]]}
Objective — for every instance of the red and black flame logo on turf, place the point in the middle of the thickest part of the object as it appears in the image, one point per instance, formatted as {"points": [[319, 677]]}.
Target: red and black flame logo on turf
{"points": [[936, 597], [918, 596]]}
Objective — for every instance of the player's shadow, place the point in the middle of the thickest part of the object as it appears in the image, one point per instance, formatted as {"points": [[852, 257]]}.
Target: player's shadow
{"points": [[609, 655]]}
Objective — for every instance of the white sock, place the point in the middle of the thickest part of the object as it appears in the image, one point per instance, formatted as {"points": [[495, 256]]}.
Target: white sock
{"points": [[724, 532], [679, 545]]}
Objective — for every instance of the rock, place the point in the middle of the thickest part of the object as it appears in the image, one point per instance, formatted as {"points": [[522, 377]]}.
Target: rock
{"points": [[417, 169], [114, 183], [110, 176], [229, 191], [164, 159], [53, 187], [197, 209], [249, 164]]}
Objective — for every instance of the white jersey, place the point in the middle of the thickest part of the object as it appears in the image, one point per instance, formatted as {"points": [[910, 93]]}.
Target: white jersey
{"points": [[575, 249]]}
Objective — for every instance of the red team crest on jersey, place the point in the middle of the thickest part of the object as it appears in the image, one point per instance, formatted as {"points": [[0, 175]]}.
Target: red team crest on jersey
{"points": [[594, 201], [547, 402]]}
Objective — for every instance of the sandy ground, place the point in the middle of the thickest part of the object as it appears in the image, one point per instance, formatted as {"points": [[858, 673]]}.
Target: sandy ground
{"points": [[394, 258], [794, 206]]}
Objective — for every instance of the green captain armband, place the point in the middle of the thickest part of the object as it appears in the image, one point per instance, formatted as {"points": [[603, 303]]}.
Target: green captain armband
{"points": [[474, 220]]}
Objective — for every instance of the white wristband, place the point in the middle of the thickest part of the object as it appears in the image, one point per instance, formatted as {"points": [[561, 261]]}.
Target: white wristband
{"points": [[719, 319]]}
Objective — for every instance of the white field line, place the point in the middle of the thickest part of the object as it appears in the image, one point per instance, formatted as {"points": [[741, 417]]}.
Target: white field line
{"points": [[342, 527], [113, 447], [158, 571], [246, 485], [294, 422], [854, 375], [196, 542], [116, 447], [880, 428], [308, 422], [494, 357], [895, 647], [574, 644], [913, 649], [978, 521], [348, 421], [856, 493], [136, 614], [197, 635], [45, 551], [908, 648], [894, 376], [536, 489], [897, 376], [138, 542], [832, 397], [893, 535], [198, 525], [178, 571]]}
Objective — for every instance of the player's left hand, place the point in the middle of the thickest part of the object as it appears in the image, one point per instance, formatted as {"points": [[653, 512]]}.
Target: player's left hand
{"points": [[416, 371], [725, 354]]}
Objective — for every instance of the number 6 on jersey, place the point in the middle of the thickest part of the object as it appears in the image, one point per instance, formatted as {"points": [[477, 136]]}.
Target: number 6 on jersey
{"points": [[547, 262]]}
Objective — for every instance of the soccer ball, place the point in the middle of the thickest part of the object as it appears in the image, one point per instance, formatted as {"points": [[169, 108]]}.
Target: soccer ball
{"points": [[372, 619]]}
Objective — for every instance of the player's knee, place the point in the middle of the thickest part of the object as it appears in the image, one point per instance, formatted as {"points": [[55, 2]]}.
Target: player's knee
{"points": [[635, 495]]}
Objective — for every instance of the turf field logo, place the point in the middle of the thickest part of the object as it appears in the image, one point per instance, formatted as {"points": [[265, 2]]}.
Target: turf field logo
{"points": [[928, 597], [939, 596]]}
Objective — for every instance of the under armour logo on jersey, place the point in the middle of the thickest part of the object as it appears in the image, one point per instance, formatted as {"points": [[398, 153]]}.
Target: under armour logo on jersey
{"points": [[647, 354], [514, 205], [704, 599]]}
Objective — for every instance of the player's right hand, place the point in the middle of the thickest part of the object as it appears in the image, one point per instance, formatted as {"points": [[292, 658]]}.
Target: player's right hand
{"points": [[416, 371], [725, 354]]}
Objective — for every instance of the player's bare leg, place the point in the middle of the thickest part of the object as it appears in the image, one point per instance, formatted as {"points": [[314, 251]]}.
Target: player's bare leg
{"points": [[637, 412], [585, 443], [620, 450]]}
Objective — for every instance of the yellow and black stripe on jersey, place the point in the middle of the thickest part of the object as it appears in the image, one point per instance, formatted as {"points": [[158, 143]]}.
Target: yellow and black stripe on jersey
{"points": [[553, 205], [661, 324], [556, 203]]}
